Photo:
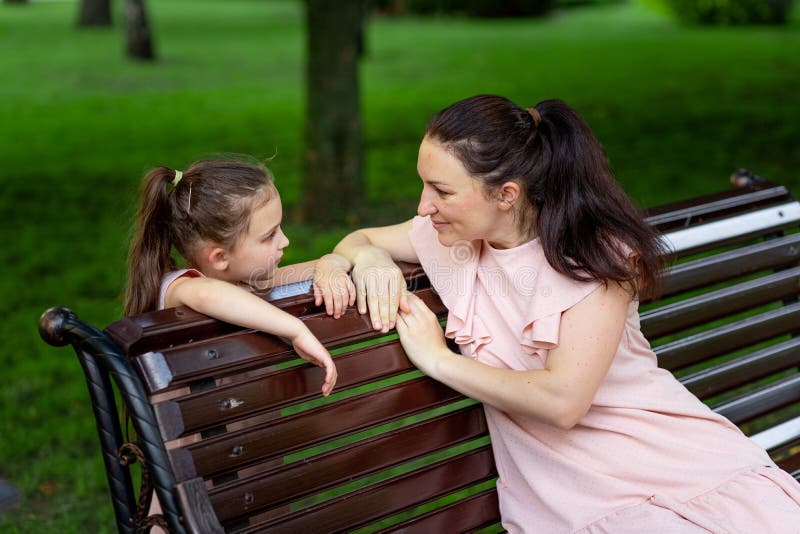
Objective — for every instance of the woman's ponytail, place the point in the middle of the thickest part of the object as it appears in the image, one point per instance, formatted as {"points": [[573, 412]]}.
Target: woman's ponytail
{"points": [[589, 227], [150, 255]]}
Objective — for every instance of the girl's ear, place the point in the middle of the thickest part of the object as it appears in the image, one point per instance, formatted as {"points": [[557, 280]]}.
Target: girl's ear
{"points": [[217, 258], [508, 194]]}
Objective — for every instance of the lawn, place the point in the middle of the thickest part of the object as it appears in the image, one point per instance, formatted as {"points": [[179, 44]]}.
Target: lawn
{"points": [[677, 109]]}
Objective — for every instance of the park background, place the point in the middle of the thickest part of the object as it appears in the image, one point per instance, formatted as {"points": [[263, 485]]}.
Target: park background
{"points": [[678, 108]]}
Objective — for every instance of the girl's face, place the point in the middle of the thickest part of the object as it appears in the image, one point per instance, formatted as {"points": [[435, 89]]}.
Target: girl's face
{"points": [[255, 257], [456, 202]]}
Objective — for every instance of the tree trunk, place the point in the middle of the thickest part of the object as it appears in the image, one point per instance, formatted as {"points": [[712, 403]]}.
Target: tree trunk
{"points": [[333, 190], [95, 13], [139, 43]]}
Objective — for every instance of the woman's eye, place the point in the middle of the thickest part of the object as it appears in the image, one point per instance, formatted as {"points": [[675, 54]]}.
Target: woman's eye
{"points": [[440, 192]]}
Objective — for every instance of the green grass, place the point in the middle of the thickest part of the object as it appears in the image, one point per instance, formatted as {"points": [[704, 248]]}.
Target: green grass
{"points": [[677, 109]]}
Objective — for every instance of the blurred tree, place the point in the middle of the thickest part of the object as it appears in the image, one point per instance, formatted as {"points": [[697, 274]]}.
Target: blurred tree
{"points": [[333, 190], [139, 43], [15, 1], [94, 13]]}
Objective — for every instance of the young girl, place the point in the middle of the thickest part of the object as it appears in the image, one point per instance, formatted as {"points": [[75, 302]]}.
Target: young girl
{"points": [[540, 257], [224, 218]]}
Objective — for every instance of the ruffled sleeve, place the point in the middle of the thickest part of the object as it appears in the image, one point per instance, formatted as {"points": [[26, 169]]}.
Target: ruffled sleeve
{"points": [[554, 294], [452, 272], [539, 295]]}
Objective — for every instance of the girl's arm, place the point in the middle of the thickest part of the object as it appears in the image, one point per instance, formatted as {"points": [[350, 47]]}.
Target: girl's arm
{"points": [[296, 272], [562, 392], [232, 304], [378, 285]]}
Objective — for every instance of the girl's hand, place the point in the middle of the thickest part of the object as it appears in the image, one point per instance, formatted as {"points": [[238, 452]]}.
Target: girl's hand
{"points": [[380, 287], [421, 335], [309, 348], [332, 284]]}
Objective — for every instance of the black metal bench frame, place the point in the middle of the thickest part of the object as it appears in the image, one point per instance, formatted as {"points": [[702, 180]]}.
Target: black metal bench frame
{"points": [[131, 353]]}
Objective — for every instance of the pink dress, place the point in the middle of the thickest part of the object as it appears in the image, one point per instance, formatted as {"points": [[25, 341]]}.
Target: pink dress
{"points": [[647, 457]]}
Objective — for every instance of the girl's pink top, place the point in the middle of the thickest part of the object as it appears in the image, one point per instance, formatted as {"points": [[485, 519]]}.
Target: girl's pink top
{"points": [[646, 438], [171, 277]]}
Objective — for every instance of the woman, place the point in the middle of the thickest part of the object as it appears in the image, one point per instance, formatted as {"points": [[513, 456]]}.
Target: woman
{"points": [[540, 258]]}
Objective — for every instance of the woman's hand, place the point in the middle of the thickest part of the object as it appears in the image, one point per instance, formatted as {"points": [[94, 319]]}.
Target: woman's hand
{"points": [[421, 335], [332, 284], [380, 287], [310, 349]]}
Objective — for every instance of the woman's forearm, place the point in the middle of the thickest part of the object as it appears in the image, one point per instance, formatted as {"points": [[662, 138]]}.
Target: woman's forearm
{"points": [[536, 393], [559, 394], [351, 245]]}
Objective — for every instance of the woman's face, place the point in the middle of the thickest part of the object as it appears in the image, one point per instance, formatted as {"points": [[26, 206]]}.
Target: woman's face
{"points": [[456, 202]]}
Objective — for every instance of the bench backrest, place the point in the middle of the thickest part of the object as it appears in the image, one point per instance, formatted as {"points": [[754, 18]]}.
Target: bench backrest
{"points": [[248, 435]]}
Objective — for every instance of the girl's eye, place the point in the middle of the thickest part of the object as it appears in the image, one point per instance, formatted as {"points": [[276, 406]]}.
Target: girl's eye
{"points": [[271, 235]]}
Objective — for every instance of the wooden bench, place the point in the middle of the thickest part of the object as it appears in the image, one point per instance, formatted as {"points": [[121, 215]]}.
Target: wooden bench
{"points": [[235, 435]]}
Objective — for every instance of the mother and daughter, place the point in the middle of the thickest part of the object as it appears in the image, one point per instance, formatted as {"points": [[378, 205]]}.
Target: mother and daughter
{"points": [[540, 258]]}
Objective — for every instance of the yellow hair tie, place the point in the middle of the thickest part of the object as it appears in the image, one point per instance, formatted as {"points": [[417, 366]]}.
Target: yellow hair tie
{"points": [[178, 176]]}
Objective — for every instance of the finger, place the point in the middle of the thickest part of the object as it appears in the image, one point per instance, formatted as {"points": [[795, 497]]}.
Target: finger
{"points": [[362, 295], [338, 305], [351, 289], [320, 296], [317, 294], [411, 302], [404, 305], [372, 302], [402, 325], [383, 304], [422, 310], [394, 298], [334, 304], [337, 298], [329, 302], [330, 378]]}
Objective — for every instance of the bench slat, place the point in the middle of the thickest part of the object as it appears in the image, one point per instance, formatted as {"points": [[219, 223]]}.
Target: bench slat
{"points": [[304, 477], [462, 516], [733, 229], [744, 369], [709, 207], [236, 400], [762, 400], [385, 499], [772, 253], [780, 435], [723, 302], [789, 458], [281, 437], [729, 337]]}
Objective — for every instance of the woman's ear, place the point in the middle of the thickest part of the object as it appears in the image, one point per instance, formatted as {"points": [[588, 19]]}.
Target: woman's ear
{"points": [[508, 194]]}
